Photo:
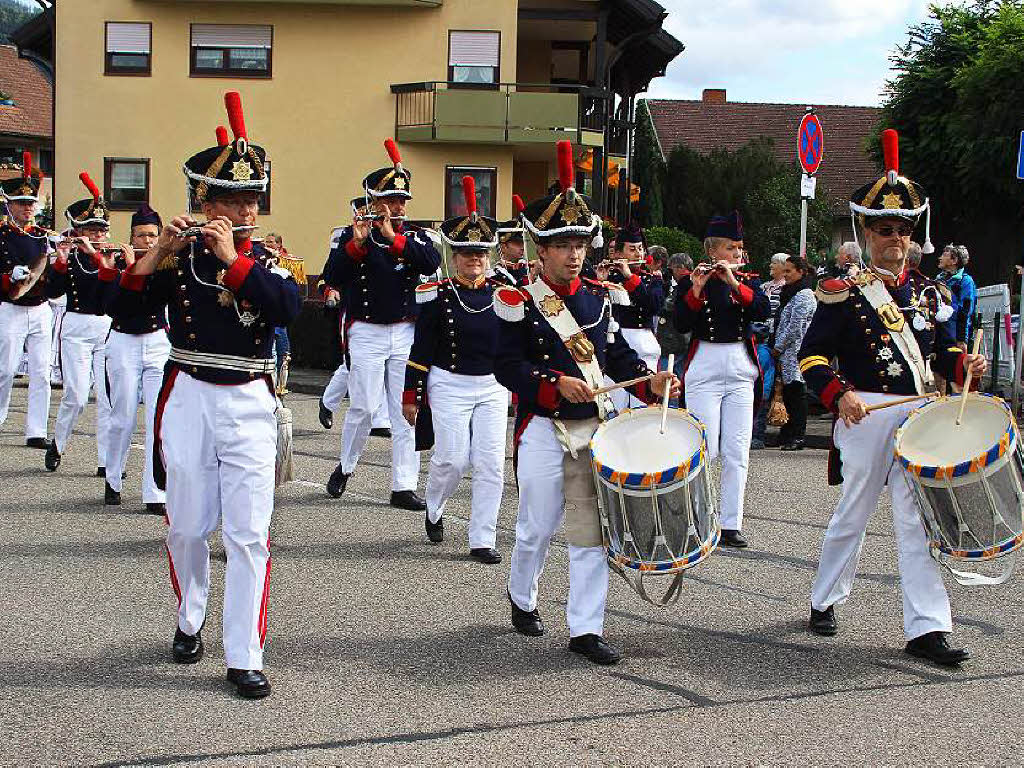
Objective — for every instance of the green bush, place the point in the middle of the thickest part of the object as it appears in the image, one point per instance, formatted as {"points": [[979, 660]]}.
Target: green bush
{"points": [[675, 241]]}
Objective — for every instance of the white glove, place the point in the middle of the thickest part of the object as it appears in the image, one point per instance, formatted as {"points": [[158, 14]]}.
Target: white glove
{"points": [[19, 273]]}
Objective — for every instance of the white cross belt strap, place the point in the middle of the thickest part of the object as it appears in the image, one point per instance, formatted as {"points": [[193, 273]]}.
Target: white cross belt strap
{"points": [[260, 365], [874, 290]]}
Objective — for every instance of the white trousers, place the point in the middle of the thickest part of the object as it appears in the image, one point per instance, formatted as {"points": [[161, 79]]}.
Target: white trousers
{"points": [[336, 390], [83, 340], [868, 463], [59, 306], [645, 344], [21, 327], [470, 415], [135, 368], [379, 353], [541, 508], [219, 444], [720, 392]]}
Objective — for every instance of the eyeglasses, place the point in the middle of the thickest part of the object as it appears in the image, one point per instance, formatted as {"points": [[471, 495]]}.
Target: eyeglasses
{"points": [[886, 230]]}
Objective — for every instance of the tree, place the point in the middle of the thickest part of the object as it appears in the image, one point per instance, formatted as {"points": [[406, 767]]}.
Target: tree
{"points": [[648, 170], [955, 100], [14, 13]]}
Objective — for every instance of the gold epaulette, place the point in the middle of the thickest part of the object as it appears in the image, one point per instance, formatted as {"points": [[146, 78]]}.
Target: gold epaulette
{"points": [[168, 262]]}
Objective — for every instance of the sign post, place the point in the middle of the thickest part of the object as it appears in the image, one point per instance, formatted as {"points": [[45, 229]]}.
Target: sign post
{"points": [[1015, 400], [810, 147]]}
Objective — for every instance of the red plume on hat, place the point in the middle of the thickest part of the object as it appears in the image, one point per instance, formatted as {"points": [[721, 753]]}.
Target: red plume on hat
{"points": [[393, 153], [469, 193], [891, 152], [236, 119], [90, 185], [26, 164], [565, 165], [518, 206], [222, 136]]}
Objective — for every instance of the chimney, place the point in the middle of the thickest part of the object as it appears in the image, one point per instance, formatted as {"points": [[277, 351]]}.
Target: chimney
{"points": [[714, 96]]}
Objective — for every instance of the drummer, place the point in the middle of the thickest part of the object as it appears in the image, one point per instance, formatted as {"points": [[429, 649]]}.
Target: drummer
{"points": [[881, 338], [553, 351], [723, 378]]}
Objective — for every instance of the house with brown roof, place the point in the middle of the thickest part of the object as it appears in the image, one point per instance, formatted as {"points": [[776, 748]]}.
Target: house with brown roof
{"points": [[715, 122], [26, 114]]}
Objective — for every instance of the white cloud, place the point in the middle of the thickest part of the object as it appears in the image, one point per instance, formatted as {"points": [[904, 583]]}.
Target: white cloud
{"points": [[831, 51]]}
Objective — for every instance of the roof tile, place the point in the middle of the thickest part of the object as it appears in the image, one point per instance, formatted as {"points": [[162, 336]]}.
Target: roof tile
{"points": [[32, 92]]}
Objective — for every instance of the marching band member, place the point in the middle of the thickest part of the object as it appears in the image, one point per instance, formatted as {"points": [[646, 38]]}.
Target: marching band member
{"points": [[723, 378], [137, 351], [882, 339], [82, 273], [646, 296], [513, 268], [25, 315], [451, 366], [337, 387], [555, 346], [378, 263], [215, 429]]}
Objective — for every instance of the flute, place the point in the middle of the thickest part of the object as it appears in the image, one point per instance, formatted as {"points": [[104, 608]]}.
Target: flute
{"points": [[198, 230]]}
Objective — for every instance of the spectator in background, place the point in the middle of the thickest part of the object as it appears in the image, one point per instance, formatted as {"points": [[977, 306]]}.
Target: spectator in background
{"points": [[678, 266], [952, 265], [914, 274], [274, 243], [796, 309], [847, 264], [762, 336]]}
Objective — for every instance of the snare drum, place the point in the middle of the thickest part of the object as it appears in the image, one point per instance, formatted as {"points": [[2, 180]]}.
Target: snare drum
{"points": [[657, 510], [968, 481]]}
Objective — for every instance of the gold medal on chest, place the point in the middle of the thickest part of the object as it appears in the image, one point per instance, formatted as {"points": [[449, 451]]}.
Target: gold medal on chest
{"points": [[891, 317], [551, 305]]}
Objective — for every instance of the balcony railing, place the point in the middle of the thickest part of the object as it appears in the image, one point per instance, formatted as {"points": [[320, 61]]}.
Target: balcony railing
{"points": [[504, 113]]}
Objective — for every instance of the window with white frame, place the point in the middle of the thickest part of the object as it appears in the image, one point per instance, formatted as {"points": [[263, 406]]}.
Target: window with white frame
{"points": [[128, 48], [473, 58], [231, 50]]}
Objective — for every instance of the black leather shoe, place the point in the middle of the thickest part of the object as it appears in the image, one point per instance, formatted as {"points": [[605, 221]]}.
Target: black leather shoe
{"points": [[336, 482], [795, 445], [380, 432], [595, 649], [52, 459], [187, 649], [732, 538], [488, 555], [326, 417], [934, 646], [435, 531], [111, 498], [407, 500], [38, 442], [101, 471], [823, 622], [526, 622], [155, 508], [250, 683]]}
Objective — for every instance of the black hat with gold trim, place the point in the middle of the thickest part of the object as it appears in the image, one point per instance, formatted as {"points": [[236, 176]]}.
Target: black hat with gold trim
{"points": [[390, 182], [472, 230], [565, 212], [511, 231], [23, 188], [892, 196], [91, 212], [231, 166]]}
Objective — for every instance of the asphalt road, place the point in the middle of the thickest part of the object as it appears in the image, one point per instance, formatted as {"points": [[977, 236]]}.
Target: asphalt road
{"points": [[384, 649]]}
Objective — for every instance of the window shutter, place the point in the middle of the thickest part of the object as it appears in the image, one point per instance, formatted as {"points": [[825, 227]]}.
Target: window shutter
{"points": [[127, 37], [473, 49], [231, 36]]}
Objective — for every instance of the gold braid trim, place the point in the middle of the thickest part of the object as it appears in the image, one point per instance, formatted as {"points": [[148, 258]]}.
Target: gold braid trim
{"points": [[869, 198], [383, 182], [212, 171], [549, 212], [168, 262]]}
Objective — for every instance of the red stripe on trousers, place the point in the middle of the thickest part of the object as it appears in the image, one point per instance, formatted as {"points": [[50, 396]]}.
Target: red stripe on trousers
{"points": [[262, 624], [174, 575]]}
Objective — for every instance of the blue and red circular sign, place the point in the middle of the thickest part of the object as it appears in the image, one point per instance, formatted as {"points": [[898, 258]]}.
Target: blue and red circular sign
{"points": [[810, 143]]}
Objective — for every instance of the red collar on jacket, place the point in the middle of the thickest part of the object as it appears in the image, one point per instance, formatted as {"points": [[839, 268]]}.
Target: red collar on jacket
{"points": [[564, 290]]}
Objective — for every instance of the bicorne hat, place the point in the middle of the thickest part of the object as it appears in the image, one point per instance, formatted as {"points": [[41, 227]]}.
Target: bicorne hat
{"points": [[231, 166], [564, 212], [390, 182], [90, 212], [23, 188], [470, 230]]}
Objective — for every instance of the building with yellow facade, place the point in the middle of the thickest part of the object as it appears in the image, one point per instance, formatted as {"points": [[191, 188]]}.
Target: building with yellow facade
{"points": [[482, 87]]}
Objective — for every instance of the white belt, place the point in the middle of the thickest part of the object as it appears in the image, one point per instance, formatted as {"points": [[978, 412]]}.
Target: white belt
{"points": [[261, 365]]}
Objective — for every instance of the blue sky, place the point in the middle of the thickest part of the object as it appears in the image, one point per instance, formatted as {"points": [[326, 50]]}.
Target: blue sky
{"points": [[789, 51]]}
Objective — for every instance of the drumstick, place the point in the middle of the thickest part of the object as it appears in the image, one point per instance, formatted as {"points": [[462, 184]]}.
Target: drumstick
{"points": [[622, 384], [901, 401], [967, 382], [668, 388]]}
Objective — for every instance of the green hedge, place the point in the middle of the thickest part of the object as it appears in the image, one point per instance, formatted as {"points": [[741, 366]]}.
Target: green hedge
{"points": [[675, 241]]}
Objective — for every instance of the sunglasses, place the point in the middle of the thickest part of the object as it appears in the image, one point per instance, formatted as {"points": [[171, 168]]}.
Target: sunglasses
{"points": [[886, 230]]}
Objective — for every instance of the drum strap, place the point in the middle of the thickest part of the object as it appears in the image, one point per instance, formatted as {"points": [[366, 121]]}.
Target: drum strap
{"points": [[892, 318], [558, 316]]}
